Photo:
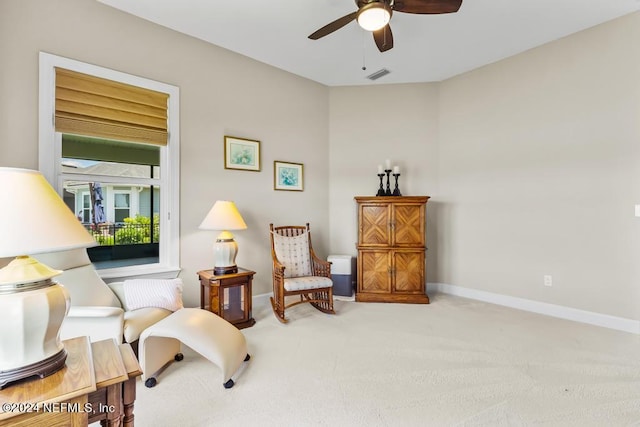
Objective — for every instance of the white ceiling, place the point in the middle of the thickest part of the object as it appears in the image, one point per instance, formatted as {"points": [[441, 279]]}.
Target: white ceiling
{"points": [[426, 47]]}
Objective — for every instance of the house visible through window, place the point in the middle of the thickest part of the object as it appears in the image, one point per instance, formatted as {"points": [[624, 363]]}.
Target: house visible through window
{"points": [[115, 188]]}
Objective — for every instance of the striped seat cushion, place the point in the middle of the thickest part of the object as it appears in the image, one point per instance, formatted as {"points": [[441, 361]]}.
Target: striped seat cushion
{"points": [[307, 282]]}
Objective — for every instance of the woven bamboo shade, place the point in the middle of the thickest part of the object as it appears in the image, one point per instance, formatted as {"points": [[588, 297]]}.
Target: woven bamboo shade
{"points": [[93, 106]]}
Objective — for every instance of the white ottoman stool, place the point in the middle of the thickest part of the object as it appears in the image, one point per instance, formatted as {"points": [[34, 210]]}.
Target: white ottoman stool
{"points": [[213, 337]]}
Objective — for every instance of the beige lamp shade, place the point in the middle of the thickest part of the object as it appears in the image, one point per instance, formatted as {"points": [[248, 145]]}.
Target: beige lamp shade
{"points": [[33, 219], [224, 216]]}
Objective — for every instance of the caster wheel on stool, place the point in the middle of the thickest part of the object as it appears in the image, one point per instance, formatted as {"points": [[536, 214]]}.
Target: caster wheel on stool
{"points": [[179, 357], [247, 357], [228, 384], [150, 382]]}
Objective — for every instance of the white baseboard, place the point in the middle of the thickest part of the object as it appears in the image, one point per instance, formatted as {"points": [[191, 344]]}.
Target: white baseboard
{"points": [[553, 310], [568, 313]]}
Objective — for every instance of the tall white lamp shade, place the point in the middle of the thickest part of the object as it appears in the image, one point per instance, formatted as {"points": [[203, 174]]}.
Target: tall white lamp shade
{"points": [[224, 216], [33, 219]]}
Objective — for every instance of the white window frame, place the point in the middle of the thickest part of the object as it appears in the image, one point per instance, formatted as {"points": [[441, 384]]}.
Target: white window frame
{"points": [[50, 154]]}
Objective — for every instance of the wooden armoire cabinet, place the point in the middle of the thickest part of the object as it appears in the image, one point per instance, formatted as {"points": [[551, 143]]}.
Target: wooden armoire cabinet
{"points": [[391, 249]]}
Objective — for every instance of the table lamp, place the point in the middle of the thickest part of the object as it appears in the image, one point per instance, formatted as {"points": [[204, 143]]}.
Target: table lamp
{"points": [[224, 216], [33, 219]]}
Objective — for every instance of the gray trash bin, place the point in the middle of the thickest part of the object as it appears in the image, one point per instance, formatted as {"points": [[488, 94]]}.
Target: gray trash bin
{"points": [[343, 274]]}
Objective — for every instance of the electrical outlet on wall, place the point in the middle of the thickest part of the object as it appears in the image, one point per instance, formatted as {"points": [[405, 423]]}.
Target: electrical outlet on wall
{"points": [[548, 281]]}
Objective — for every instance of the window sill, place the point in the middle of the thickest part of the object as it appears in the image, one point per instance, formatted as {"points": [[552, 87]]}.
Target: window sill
{"points": [[154, 271]]}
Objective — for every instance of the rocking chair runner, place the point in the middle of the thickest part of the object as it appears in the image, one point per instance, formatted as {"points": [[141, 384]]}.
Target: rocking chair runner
{"points": [[298, 271]]}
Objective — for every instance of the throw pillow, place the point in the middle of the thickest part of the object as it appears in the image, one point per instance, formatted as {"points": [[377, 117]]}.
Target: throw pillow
{"points": [[140, 293]]}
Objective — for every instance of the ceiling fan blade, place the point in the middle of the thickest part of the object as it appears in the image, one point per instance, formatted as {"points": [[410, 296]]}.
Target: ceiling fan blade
{"points": [[427, 6], [383, 38], [333, 26]]}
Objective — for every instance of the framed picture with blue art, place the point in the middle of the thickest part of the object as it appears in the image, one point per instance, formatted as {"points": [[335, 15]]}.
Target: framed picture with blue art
{"points": [[240, 153], [287, 176]]}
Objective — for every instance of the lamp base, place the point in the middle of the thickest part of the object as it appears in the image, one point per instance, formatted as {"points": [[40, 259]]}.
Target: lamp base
{"points": [[225, 270], [42, 369], [224, 252], [32, 309]]}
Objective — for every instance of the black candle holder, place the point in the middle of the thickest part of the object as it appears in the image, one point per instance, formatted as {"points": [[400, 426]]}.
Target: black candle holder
{"points": [[388, 190], [381, 189], [396, 191]]}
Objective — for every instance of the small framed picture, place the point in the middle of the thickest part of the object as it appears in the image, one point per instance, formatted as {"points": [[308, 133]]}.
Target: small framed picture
{"points": [[287, 176], [240, 153]]}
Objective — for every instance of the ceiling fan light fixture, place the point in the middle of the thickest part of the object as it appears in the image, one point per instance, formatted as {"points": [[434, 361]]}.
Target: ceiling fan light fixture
{"points": [[374, 16]]}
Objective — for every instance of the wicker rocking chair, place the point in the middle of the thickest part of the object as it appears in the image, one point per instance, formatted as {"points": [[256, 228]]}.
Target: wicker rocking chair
{"points": [[298, 271]]}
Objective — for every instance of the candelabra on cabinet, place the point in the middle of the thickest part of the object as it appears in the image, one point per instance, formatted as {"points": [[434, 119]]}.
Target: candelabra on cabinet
{"points": [[388, 172]]}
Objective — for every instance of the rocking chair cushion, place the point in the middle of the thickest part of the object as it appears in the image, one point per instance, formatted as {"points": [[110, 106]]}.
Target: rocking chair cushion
{"points": [[293, 253], [307, 282]]}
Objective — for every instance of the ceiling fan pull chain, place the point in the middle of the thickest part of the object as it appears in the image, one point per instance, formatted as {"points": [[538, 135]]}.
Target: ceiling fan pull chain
{"points": [[364, 65]]}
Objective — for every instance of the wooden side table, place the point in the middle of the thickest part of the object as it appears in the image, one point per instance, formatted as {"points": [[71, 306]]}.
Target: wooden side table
{"points": [[58, 399], [97, 384], [129, 387], [116, 369], [228, 295]]}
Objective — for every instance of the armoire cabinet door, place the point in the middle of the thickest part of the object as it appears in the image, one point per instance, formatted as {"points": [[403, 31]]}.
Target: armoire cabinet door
{"points": [[374, 222], [408, 272], [374, 270], [408, 225]]}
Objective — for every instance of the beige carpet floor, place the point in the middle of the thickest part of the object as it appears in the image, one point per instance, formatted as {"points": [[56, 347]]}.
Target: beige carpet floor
{"points": [[455, 362]]}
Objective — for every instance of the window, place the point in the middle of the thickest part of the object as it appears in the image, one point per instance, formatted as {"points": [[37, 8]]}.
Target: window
{"points": [[85, 210], [121, 206], [115, 187], [122, 184]]}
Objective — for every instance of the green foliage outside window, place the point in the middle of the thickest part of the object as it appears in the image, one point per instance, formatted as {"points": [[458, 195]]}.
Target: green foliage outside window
{"points": [[103, 239], [135, 230]]}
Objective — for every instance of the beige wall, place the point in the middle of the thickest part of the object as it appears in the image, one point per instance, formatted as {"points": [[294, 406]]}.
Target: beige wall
{"points": [[369, 124], [222, 93], [533, 165], [539, 172], [532, 162]]}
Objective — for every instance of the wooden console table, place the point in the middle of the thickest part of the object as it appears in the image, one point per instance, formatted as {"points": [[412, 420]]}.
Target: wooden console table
{"points": [[228, 295]]}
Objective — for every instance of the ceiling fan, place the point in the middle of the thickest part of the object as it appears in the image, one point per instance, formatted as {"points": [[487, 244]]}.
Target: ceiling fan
{"points": [[374, 16]]}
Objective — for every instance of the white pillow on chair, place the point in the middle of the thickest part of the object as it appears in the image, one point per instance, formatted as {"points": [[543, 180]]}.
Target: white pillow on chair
{"points": [[141, 293]]}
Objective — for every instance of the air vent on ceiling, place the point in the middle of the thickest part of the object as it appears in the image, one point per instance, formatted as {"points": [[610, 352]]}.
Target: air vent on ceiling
{"points": [[380, 73]]}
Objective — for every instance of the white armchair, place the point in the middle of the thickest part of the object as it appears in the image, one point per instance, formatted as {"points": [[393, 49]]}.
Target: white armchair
{"points": [[100, 311], [97, 310]]}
